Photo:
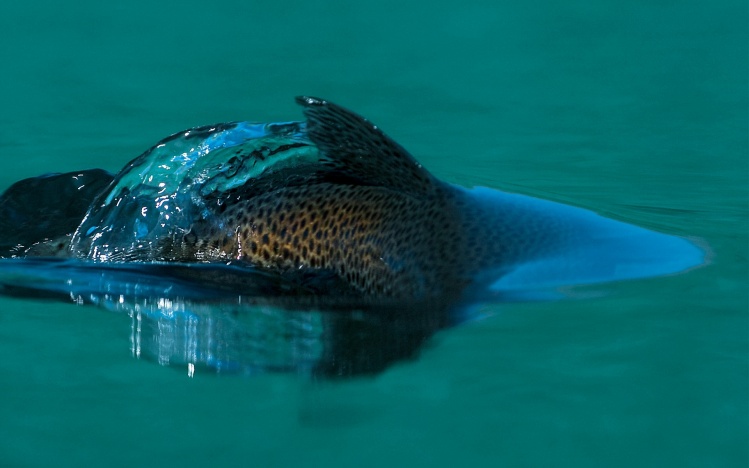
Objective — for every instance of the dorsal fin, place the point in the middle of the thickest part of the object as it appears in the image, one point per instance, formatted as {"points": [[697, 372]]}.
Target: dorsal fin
{"points": [[355, 148]]}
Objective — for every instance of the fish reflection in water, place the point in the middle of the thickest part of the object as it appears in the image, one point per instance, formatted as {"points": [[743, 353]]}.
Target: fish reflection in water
{"points": [[317, 247]]}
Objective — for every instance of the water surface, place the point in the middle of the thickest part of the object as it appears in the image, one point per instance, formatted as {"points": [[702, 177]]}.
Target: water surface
{"points": [[635, 110]]}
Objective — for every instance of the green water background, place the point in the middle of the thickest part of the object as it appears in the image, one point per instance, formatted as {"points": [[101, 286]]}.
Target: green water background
{"points": [[635, 109]]}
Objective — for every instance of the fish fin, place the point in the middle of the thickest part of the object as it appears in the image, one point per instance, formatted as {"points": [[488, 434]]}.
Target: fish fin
{"points": [[353, 148], [42, 209]]}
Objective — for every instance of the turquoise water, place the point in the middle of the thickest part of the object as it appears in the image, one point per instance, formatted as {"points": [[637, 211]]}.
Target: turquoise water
{"points": [[635, 110]]}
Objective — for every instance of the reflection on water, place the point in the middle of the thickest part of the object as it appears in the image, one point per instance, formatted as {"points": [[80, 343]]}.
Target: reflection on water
{"points": [[224, 338], [195, 316], [236, 338]]}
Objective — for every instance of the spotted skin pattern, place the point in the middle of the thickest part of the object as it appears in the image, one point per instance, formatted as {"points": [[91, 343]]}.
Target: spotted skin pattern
{"points": [[368, 212], [381, 242]]}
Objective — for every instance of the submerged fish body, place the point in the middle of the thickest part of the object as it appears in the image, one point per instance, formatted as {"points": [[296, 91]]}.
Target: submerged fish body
{"points": [[335, 194]]}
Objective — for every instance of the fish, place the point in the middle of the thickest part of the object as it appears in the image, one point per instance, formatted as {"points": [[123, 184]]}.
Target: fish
{"points": [[335, 194], [328, 212]]}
